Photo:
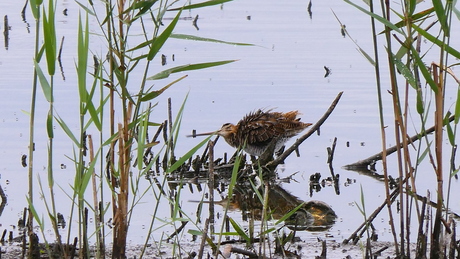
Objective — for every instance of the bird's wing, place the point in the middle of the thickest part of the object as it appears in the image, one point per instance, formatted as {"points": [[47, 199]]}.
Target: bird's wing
{"points": [[261, 127]]}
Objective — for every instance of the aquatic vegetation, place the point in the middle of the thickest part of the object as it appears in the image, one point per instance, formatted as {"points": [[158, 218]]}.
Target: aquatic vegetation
{"points": [[105, 161], [417, 85]]}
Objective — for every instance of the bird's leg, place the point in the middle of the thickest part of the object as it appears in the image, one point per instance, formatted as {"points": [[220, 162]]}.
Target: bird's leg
{"points": [[267, 156], [280, 151]]}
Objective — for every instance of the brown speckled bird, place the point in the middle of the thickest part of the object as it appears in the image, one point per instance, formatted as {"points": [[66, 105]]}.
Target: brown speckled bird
{"points": [[256, 131]]}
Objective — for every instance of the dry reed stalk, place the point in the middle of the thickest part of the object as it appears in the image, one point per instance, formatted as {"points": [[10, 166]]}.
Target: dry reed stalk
{"points": [[99, 236], [438, 77], [211, 186]]}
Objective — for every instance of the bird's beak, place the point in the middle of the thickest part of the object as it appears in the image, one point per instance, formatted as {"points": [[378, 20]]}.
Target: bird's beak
{"points": [[194, 134]]}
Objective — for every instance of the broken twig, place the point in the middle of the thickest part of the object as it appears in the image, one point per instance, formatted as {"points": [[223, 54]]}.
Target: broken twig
{"points": [[273, 164]]}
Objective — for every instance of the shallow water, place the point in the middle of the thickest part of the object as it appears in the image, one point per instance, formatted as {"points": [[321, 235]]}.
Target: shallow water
{"points": [[285, 71]]}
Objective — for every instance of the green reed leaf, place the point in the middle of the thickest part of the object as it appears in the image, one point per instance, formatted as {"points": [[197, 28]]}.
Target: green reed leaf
{"points": [[160, 40], [140, 46], [290, 213], [165, 73], [256, 190], [267, 231], [35, 7], [200, 5], [142, 6], [46, 87], [445, 120], [455, 10], [377, 17], [40, 221], [426, 74], [440, 13], [236, 167], [436, 41], [67, 130], [450, 134], [367, 56], [50, 174], [94, 114], [416, 17], [412, 4], [49, 125], [49, 37], [87, 10], [419, 102], [362, 209], [87, 176], [360, 50], [405, 71], [457, 106], [239, 230], [424, 153], [189, 154], [153, 94], [196, 38], [177, 122], [82, 62]]}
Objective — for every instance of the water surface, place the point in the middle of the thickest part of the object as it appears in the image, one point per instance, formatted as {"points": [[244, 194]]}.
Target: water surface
{"points": [[284, 70]]}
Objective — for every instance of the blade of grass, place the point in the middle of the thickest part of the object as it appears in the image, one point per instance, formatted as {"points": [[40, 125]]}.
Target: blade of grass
{"points": [[46, 87], [457, 106], [87, 10], [377, 17], [239, 230], [153, 94], [67, 130], [187, 155], [196, 38], [161, 39], [168, 72], [200, 5], [436, 41], [441, 14], [35, 6], [49, 125], [49, 36], [82, 62]]}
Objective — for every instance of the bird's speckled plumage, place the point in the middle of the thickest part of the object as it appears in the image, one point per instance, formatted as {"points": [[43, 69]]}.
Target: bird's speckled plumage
{"points": [[258, 129]]}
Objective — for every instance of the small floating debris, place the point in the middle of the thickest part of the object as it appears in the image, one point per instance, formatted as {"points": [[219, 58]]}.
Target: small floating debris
{"points": [[163, 60], [309, 10], [328, 71], [343, 29], [24, 160], [195, 23]]}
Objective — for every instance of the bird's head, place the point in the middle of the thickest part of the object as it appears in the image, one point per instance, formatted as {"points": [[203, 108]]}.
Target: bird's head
{"points": [[227, 130]]}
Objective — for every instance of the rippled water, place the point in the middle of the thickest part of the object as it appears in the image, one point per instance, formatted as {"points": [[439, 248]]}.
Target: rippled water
{"points": [[284, 70]]}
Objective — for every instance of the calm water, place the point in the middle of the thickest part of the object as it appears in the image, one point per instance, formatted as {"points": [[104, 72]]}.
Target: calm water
{"points": [[285, 70]]}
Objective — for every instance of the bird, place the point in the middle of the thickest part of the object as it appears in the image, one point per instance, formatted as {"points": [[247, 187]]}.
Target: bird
{"points": [[260, 129]]}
